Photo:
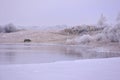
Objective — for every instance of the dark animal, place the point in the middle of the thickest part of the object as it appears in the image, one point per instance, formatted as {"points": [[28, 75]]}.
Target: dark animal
{"points": [[27, 40]]}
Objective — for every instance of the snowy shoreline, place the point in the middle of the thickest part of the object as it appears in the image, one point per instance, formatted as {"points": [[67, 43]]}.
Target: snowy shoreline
{"points": [[94, 69]]}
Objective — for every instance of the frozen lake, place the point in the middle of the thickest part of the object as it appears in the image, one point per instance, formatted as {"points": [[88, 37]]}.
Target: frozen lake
{"points": [[44, 53]]}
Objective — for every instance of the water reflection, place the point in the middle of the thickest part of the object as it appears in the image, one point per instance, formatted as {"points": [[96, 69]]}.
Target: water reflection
{"points": [[37, 53], [86, 53], [10, 56]]}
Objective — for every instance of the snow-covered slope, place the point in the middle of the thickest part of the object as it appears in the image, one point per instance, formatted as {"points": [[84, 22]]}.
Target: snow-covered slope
{"points": [[95, 69]]}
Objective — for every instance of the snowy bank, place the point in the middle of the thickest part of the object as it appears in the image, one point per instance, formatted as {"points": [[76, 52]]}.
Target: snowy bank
{"points": [[95, 69], [93, 34]]}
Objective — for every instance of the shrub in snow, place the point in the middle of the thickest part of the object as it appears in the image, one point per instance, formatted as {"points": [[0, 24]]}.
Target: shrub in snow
{"points": [[100, 37], [10, 28], [68, 31], [70, 41], [109, 34], [112, 33], [1, 29], [83, 39], [81, 29]]}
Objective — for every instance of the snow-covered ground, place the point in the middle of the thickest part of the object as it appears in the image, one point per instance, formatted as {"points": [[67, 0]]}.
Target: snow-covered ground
{"points": [[93, 69]]}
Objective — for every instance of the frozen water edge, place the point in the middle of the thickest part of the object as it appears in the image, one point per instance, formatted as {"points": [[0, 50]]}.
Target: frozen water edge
{"points": [[95, 69]]}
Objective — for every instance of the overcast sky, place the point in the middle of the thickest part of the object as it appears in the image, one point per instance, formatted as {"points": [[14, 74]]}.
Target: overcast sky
{"points": [[54, 12]]}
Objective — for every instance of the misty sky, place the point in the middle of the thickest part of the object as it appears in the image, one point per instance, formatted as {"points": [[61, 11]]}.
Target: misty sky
{"points": [[54, 12]]}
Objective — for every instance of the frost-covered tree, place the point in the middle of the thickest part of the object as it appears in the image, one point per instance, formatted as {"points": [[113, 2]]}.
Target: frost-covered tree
{"points": [[10, 28], [118, 18], [102, 21]]}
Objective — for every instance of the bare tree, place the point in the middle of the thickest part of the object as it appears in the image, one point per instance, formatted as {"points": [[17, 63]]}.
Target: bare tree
{"points": [[102, 21], [118, 18]]}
